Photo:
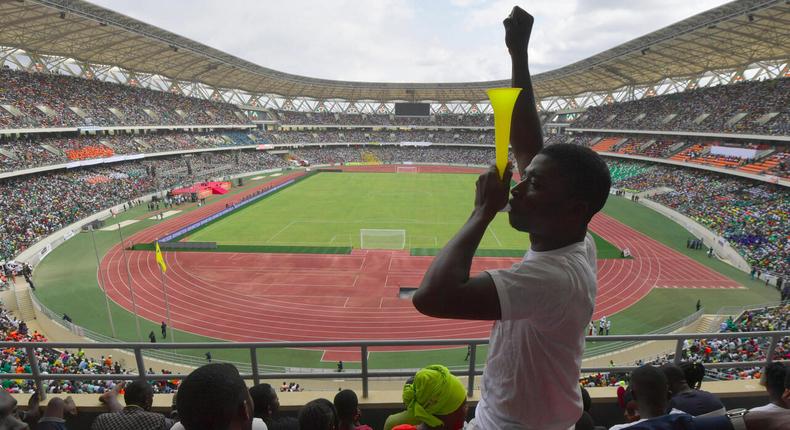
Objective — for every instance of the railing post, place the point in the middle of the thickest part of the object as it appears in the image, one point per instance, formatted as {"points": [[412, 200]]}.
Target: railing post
{"points": [[32, 360], [364, 351], [771, 349], [256, 377], [138, 357], [678, 351], [470, 382]]}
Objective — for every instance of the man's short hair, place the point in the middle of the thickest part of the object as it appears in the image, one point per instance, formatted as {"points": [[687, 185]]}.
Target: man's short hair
{"points": [[263, 396], [694, 373], [346, 403], [673, 373], [774, 374], [138, 393], [319, 414], [210, 397], [587, 173], [649, 385]]}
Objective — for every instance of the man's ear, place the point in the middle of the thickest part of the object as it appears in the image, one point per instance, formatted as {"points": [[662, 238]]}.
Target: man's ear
{"points": [[579, 209], [786, 397]]}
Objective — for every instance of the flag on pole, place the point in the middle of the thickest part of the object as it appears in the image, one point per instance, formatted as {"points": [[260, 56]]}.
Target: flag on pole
{"points": [[159, 259]]}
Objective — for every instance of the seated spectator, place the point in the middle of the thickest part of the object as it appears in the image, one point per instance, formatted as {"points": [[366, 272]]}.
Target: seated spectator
{"points": [[266, 406], [347, 406], [403, 417], [651, 392], [214, 397], [586, 421], [57, 409], [318, 414], [773, 379], [691, 401], [437, 399], [10, 418], [137, 415]]}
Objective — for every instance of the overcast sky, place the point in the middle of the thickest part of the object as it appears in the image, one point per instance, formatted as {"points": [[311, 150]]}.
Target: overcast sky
{"points": [[405, 40]]}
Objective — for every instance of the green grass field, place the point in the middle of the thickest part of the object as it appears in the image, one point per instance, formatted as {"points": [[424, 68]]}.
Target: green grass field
{"points": [[331, 210], [68, 284]]}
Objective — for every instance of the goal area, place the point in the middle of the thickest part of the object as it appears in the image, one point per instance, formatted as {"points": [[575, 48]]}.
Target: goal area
{"points": [[373, 238], [406, 169]]}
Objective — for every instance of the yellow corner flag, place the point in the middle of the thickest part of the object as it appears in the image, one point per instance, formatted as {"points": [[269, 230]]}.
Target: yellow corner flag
{"points": [[160, 259]]}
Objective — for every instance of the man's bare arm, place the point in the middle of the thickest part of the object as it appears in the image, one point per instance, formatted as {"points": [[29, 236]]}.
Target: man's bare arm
{"points": [[447, 290], [526, 136]]}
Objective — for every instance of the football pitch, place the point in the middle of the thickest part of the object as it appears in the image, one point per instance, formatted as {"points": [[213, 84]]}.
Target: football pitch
{"points": [[366, 210], [331, 209]]}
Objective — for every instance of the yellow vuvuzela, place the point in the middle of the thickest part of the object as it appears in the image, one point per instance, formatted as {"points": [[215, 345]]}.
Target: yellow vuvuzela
{"points": [[502, 101]]}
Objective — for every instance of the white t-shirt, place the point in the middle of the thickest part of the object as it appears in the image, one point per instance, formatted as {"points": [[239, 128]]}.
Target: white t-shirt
{"points": [[767, 408], [531, 379]]}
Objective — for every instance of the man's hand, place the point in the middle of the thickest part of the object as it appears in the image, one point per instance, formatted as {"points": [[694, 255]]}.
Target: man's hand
{"points": [[492, 194], [110, 398], [518, 27]]}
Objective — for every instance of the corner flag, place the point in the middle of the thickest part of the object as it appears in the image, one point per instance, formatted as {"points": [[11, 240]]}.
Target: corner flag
{"points": [[159, 259]]}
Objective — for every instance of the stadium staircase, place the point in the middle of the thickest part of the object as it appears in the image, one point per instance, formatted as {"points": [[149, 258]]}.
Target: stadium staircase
{"points": [[26, 312], [606, 145]]}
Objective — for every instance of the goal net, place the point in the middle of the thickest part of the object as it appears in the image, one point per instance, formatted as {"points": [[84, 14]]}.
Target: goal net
{"points": [[382, 239], [406, 169]]}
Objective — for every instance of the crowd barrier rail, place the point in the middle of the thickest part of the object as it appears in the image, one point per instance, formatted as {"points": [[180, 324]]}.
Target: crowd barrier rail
{"points": [[256, 373]]}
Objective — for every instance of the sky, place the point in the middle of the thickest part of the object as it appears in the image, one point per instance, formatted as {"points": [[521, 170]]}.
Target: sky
{"points": [[405, 40]]}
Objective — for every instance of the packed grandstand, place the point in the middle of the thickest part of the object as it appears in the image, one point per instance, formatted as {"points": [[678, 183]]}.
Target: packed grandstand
{"points": [[75, 146]]}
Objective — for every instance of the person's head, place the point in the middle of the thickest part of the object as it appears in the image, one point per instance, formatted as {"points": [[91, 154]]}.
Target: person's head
{"points": [[564, 186], [436, 398], [649, 386], [139, 393], [676, 379], [773, 380], [347, 406], [265, 400], [319, 414], [786, 394], [586, 400], [631, 412], [694, 374], [214, 397]]}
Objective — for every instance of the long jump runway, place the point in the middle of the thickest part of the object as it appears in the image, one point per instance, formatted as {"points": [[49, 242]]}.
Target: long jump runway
{"points": [[307, 297]]}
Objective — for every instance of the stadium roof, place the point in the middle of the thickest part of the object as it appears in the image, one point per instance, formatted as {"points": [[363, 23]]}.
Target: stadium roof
{"points": [[732, 36]]}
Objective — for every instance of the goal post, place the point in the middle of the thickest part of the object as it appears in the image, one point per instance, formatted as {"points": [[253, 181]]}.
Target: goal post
{"points": [[406, 169], [374, 238]]}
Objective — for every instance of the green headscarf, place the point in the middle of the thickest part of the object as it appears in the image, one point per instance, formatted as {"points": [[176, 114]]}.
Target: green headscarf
{"points": [[435, 391]]}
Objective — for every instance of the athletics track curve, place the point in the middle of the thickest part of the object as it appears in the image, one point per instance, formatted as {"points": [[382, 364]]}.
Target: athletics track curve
{"points": [[305, 297]]}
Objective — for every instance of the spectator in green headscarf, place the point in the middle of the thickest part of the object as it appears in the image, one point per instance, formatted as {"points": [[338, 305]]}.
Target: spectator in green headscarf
{"points": [[436, 399]]}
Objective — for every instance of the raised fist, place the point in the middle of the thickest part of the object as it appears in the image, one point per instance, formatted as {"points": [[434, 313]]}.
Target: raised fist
{"points": [[518, 27]]}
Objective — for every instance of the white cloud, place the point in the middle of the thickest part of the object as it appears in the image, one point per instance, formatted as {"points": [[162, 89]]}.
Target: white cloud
{"points": [[405, 40]]}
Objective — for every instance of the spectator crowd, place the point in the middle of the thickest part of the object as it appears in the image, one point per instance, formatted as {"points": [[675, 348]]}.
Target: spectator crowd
{"points": [[752, 216], [754, 107], [43, 100]]}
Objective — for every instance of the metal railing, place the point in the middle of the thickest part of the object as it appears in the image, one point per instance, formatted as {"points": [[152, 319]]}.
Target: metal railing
{"points": [[611, 347], [256, 374]]}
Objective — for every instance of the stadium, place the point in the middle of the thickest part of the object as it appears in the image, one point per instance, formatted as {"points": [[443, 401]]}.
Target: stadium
{"points": [[166, 205]]}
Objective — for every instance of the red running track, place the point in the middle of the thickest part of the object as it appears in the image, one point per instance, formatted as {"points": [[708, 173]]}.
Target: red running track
{"points": [[301, 297]]}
